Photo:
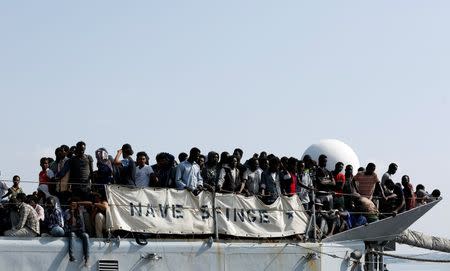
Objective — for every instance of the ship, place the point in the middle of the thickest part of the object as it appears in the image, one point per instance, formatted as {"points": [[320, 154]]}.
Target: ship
{"points": [[168, 229]]}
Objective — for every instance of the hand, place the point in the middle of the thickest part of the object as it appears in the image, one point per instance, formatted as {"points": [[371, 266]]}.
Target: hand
{"points": [[394, 213], [119, 151]]}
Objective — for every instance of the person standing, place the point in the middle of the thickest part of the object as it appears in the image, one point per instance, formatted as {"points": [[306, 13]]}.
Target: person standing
{"points": [[143, 170], [127, 165], [252, 177], [270, 181], [81, 171], [187, 174]]}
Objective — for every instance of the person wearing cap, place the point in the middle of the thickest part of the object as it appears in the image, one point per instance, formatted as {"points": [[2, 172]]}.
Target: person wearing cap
{"points": [[127, 165]]}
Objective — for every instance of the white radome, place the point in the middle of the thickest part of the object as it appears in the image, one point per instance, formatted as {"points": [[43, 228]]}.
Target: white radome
{"points": [[336, 151]]}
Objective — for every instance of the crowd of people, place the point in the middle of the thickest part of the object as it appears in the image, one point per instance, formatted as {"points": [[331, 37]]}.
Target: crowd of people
{"points": [[70, 199]]}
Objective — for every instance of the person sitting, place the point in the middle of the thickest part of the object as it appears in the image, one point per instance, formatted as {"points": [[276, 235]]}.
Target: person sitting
{"points": [[229, 177], [32, 200], [75, 227], [435, 195], [54, 218], [28, 221]]}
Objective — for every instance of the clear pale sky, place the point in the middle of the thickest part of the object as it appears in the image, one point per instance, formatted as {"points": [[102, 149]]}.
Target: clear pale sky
{"points": [[260, 75]]}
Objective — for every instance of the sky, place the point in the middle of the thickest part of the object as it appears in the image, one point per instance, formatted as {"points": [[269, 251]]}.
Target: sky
{"points": [[259, 75]]}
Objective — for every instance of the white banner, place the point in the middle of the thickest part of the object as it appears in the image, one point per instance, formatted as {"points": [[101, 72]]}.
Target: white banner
{"points": [[169, 211], [250, 217]]}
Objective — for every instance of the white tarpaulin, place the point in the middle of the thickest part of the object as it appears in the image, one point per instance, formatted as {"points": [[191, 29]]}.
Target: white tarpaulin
{"points": [[165, 211], [248, 216], [172, 211]]}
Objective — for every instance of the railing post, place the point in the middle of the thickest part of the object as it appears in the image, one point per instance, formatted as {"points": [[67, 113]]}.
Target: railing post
{"points": [[216, 226], [313, 216]]}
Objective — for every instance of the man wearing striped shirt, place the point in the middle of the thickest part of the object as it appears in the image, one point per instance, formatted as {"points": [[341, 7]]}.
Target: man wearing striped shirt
{"points": [[28, 225], [367, 181]]}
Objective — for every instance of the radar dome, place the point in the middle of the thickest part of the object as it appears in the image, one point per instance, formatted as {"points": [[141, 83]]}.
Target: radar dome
{"points": [[336, 151]]}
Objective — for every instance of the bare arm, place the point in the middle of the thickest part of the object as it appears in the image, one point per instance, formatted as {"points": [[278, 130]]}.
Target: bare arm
{"points": [[117, 161]]}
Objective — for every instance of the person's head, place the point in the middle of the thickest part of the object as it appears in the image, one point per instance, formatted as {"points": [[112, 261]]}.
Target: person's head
{"points": [[420, 187], [16, 180], [283, 162], [370, 169], [253, 164], [65, 150], [392, 168], [59, 153], [389, 184], [300, 166], [274, 164], [238, 153], [263, 163], [436, 193], [162, 159], [194, 154], [263, 154], [50, 203], [232, 161], [127, 150], [349, 170], [73, 203], [213, 158], [224, 158], [44, 163], [72, 151], [361, 169], [255, 156], [292, 164], [80, 148], [339, 167], [405, 180], [182, 156], [21, 197], [101, 155], [201, 160], [323, 159], [32, 200], [141, 158]]}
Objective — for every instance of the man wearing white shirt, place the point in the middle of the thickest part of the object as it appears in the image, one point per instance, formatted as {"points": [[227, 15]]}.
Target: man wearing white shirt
{"points": [[143, 171], [188, 172]]}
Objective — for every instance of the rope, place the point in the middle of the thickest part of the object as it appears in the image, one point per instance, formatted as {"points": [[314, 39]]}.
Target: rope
{"points": [[410, 258]]}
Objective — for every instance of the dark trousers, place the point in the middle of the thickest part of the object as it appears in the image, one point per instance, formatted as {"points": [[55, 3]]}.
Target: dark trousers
{"points": [[84, 238]]}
